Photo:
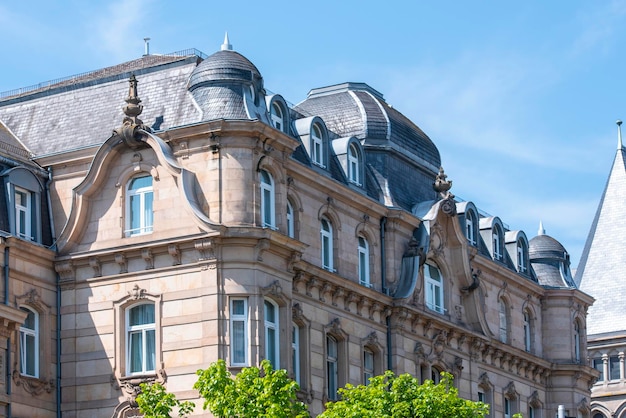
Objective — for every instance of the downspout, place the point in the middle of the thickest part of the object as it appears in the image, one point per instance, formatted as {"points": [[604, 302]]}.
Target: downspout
{"points": [[58, 296], [6, 302], [383, 279]]}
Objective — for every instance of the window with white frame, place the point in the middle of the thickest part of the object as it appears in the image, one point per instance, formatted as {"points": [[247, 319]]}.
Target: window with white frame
{"points": [[364, 262], [522, 264], [326, 238], [276, 114], [497, 243], [29, 344], [140, 339], [317, 146], [354, 165], [239, 332], [139, 212], [470, 227], [368, 365], [433, 283], [24, 227], [295, 351], [332, 367], [291, 231], [272, 342], [504, 320], [527, 332], [268, 216]]}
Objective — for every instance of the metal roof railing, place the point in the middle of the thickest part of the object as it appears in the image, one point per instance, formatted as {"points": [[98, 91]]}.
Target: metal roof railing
{"points": [[78, 77]]}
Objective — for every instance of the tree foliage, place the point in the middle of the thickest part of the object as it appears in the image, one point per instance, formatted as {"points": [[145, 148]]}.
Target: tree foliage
{"points": [[155, 402], [402, 396], [253, 392]]}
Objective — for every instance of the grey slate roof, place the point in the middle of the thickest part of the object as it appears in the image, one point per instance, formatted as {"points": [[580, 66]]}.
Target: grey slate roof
{"points": [[602, 269], [69, 116], [550, 261]]}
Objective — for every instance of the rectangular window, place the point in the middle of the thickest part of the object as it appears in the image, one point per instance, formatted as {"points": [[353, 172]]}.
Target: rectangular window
{"points": [[139, 216], [598, 364], [239, 332], [140, 331], [434, 288], [614, 373], [507, 408], [332, 378], [364, 268], [29, 344], [481, 397], [271, 334], [24, 227], [295, 352], [368, 366]]}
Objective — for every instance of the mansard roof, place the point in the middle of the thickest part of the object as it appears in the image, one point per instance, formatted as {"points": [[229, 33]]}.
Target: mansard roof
{"points": [[601, 270]]}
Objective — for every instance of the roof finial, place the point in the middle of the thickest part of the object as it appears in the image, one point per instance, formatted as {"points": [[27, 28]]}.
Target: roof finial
{"points": [[619, 134], [226, 46], [541, 230]]}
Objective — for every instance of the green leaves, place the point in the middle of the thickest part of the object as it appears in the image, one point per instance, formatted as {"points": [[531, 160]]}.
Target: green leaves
{"points": [[253, 392], [155, 402], [403, 397]]}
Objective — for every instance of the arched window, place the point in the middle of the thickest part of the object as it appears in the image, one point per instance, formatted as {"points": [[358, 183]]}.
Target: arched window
{"points": [[140, 341], [332, 367], [364, 262], [497, 242], [527, 332], [317, 146], [368, 365], [29, 344], [577, 341], [326, 237], [272, 345], [598, 415], [276, 113], [291, 223], [295, 351], [139, 197], [435, 374], [268, 217], [470, 227], [522, 259], [433, 283], [354, 165], [504, 320]]}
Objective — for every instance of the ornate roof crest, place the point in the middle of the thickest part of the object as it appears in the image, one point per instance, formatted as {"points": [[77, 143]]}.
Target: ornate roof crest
{"points": [[132, 123]]}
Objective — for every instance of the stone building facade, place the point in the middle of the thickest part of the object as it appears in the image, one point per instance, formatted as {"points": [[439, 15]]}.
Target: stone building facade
{"points": [[220, 221]]}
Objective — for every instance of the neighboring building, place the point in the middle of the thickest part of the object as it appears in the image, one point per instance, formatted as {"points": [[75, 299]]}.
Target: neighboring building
{"points": [[601, 273], [231, 224]]}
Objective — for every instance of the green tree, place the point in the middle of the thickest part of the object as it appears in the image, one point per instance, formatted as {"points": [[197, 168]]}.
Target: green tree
{"points": [[155, 402], [402, 396], [253, 392]]}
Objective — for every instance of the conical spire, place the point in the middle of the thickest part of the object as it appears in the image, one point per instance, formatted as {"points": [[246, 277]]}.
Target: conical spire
{"points": [[226, 46], [619, 134], [541, 230]]}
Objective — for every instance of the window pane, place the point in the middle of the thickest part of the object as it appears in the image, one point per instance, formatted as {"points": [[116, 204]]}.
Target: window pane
{"points": [[136, 360], [614, 368], [141, 315], [598, 364], [238, 307], [150, 350], [140, 182], [148, 212], [239, 338], [271, 347]]}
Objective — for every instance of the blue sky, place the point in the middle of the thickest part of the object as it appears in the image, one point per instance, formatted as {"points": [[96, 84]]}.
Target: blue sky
{"points": [[521, 98]]}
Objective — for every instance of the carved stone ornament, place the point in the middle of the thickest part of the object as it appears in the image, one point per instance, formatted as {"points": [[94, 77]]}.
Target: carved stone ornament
{"points": [[32, 385], [131, 123], [137, 292], [130, 385]]}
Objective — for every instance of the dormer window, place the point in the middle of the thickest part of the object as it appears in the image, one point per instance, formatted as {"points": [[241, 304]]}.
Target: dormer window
{"points": [[276, 114], [470, 227], [354, 165], [497, 242], [139, 198], [522, 258], [23, 214], [317, 146]]}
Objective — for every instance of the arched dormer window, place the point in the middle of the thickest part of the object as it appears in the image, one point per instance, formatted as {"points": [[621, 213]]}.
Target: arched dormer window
{"points": [[497, 242], [471, 227], [268, 214], [355, 164], [326, 239], [139, 211], [277, 116], [318, 156], [29, 344]]}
